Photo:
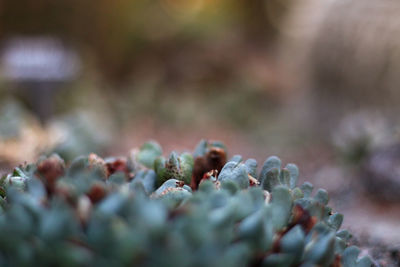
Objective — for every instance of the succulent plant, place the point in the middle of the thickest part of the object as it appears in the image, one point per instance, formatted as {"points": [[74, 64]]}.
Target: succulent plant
{"points": [[99, 212], [148, 153], [175, 167]]}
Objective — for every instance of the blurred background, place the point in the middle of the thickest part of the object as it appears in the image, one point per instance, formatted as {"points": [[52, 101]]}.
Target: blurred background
{"points": [[315, 82]]}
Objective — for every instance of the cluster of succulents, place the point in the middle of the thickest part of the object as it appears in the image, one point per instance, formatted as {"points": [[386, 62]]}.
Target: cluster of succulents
{"points": [[185, 210]]}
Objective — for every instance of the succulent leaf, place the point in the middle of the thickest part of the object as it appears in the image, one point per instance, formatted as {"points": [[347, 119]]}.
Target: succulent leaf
{"points": [[307, 189], [285, 177], [321, 249], [270, 163], [236, 158], [281, 206], [175, 167], [350, 258], [294, 174], [148, 153], [278, 260], [271, 179], [322, 197], [186, 164], [251, 165], [147, 178], [293, 242], [343, 234], [336, 220], [236, 172], [204, 145]]}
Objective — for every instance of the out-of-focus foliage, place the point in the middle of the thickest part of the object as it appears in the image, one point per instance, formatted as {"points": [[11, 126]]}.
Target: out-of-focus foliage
{"points": [[347, 54], [361, 133], [23, 138], [123, 34], [79, 133], [215, 56], [370, 145]]}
